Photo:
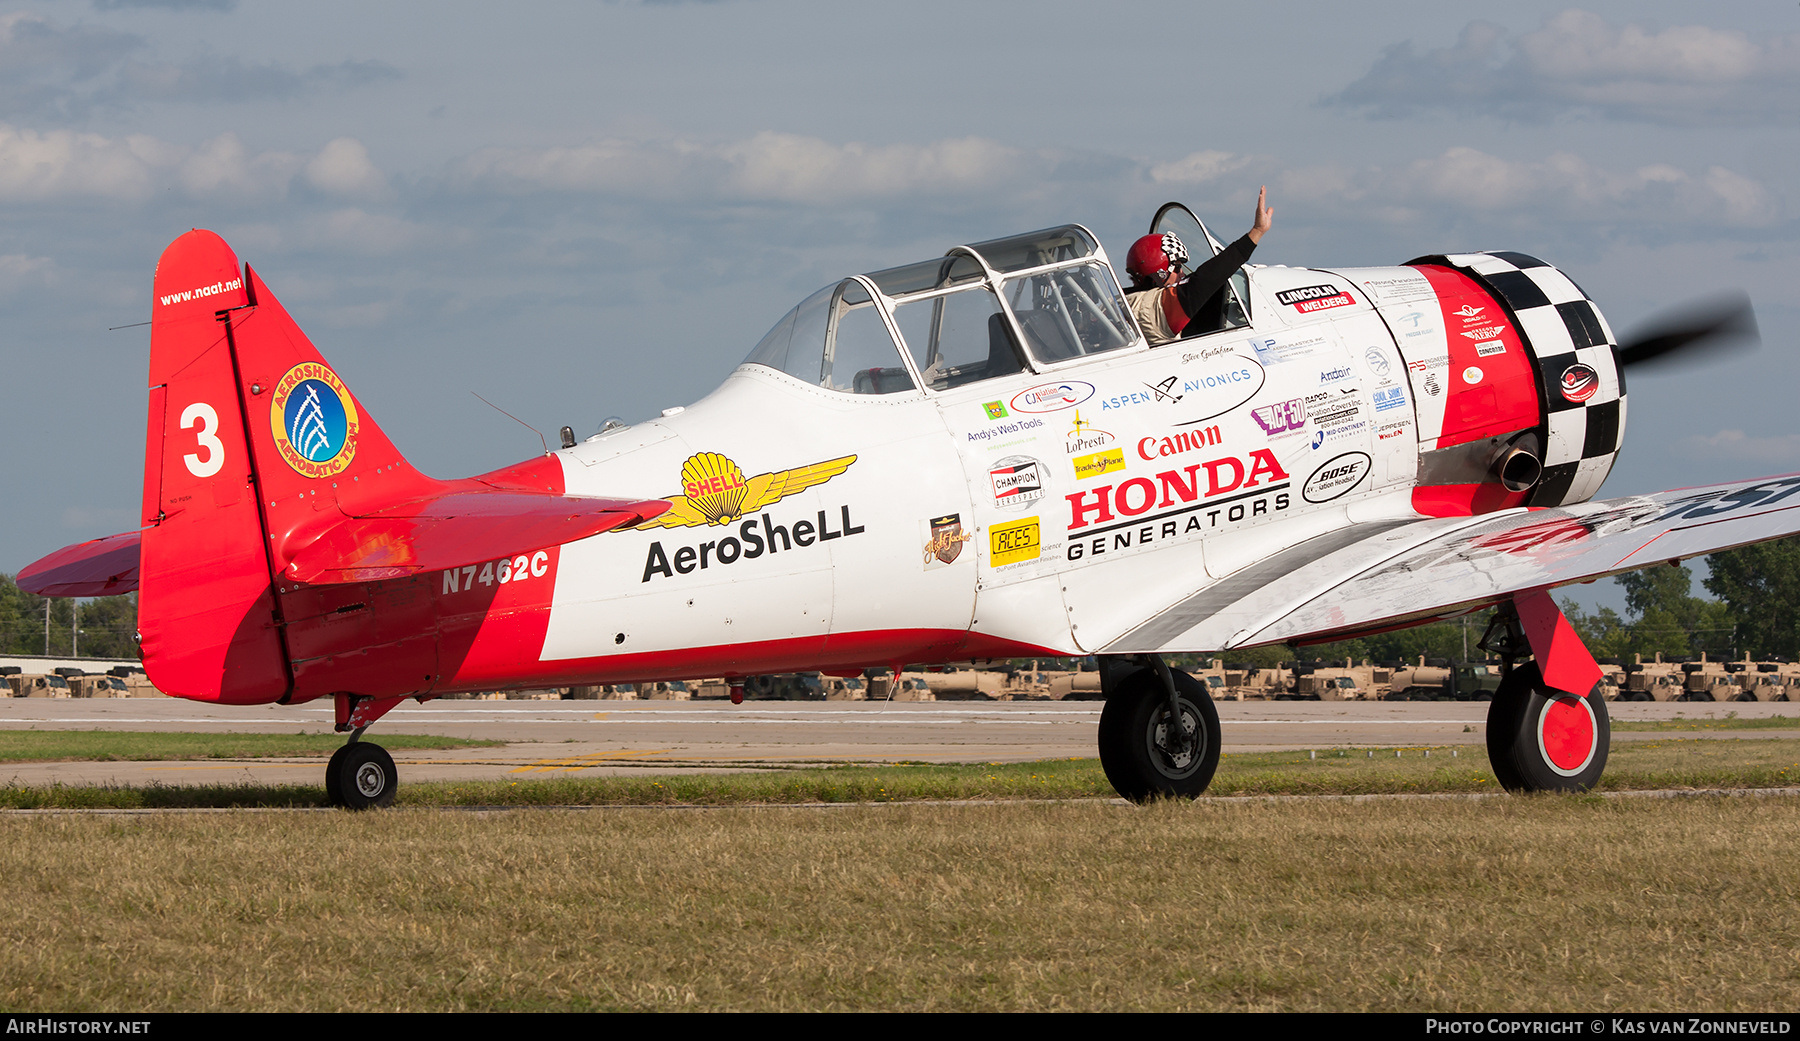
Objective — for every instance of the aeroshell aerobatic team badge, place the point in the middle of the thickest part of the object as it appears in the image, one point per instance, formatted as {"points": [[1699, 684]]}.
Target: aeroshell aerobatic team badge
{"points": [[314, 420]]}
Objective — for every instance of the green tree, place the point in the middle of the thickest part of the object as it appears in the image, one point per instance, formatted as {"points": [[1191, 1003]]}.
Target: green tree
{"points": [[1761, 586], [1664, 618]]}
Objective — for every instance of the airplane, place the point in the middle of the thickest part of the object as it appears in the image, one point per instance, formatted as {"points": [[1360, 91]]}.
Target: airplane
{"points": [[974, 456]]}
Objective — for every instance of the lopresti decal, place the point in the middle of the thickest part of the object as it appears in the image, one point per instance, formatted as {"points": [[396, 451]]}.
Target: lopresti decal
{"points": [[715, 490], [314, 420], [1084, 436]]}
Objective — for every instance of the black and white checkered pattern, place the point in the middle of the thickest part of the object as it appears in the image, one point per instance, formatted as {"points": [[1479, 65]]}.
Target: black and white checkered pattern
{"points": [[1561, 327]]}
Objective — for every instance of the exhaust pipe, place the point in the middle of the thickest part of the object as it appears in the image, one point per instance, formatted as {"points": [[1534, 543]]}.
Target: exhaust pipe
{"points": [[1518, 465]]}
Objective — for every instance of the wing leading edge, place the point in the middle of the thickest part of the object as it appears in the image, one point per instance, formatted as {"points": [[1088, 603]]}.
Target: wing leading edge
{"points": [[1375, 577]]}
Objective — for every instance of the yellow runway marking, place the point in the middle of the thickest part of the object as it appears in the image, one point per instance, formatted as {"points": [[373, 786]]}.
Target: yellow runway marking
{"points": [[579, 762]]}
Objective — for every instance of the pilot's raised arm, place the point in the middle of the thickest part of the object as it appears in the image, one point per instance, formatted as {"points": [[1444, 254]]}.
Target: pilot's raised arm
{"points": [[1161, 299]]}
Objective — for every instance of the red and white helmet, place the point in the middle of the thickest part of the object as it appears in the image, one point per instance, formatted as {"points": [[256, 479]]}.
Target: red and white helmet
{"points": [[1153, 254]]}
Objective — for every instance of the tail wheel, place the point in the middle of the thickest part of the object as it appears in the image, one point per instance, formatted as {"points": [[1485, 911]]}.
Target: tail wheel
{"points": [[366, 776], [1143, 758], [1543, 739]]}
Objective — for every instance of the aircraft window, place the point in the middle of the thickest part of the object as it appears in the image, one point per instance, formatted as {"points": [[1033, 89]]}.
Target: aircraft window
{"points": [[796, 345], [1036, 248], [860, 356], [1225, 310], [1070, 312], [958, 338], [941, 273]]}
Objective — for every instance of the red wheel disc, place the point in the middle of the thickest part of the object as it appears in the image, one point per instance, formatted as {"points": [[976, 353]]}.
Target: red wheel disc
{"points": [[1566, 735]]}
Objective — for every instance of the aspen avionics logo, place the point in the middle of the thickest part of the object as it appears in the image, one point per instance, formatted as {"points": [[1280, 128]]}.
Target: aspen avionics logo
{"points": [[314, 420]]}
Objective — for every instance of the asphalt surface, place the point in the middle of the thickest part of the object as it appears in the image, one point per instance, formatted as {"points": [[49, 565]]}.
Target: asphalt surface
{"points": [[545, 738]]}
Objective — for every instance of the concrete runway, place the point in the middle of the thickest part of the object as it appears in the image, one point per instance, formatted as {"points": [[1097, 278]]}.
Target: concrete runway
{"points": [[593, 737]]}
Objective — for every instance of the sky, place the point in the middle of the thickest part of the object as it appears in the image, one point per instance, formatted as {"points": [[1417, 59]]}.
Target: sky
{"points": [[584, 210]]}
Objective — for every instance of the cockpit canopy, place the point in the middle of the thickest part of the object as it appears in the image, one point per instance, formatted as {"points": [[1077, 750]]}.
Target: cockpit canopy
{"points": [[983, 310]]}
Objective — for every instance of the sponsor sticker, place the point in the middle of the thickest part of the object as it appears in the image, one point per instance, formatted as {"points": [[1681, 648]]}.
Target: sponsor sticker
{"points": [[1186, 441], [314, 420], [1488, 350], [1337, 476], [1084, 436], [1391, 398], [994, 409], [715, 491], [1432, 386], [1017, 481], [1490, 332], [1376, 361], [1307, 299], [1283, 417], [1052, 397], [1472, 375], [1014, 542], [1328, 376], [1099, 463], [1579, 382], [945, 540]]}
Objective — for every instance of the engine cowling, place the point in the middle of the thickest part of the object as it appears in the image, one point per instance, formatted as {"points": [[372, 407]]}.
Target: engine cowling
{"points": [[1519, 396]]}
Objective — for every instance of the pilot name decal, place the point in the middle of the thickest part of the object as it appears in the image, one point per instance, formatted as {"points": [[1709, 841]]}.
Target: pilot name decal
{"points": [[314, 420], [1307, 299], [755, 537], [715, 490], [1189, 503]]}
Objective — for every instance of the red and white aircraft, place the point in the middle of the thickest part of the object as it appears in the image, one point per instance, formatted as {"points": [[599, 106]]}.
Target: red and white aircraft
{"points": [[975, 456]]}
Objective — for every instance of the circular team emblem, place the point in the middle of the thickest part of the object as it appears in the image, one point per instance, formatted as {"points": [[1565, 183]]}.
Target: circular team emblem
{"points": [[314, 420], [1377, 361], [1472, 375], [1579, 382]]}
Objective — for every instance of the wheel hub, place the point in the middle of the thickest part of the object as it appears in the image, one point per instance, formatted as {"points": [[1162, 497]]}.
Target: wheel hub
{"points": [[369, 780], [1567, 735], [1180, 756]]}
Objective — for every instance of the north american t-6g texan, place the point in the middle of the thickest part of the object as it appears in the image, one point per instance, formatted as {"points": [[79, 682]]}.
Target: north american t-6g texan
{"points": [[974, 456]]}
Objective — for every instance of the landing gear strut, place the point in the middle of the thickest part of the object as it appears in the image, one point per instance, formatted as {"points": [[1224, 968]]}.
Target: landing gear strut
{"points": [[361, 775], [1159, 731], [1540, 738]]}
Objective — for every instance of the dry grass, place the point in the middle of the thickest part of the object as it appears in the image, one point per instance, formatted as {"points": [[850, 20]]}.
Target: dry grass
{"points": [[1529, 903]]}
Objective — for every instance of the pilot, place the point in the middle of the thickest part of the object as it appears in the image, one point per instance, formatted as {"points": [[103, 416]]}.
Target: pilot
{"points": [[1164, 302]]}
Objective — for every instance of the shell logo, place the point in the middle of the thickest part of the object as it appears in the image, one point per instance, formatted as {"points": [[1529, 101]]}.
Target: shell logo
{"points": [[714, 490], [715, 485]]}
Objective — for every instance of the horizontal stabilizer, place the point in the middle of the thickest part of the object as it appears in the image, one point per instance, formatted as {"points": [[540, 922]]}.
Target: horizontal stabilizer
{"points": [[102, 567], [455, 530]]}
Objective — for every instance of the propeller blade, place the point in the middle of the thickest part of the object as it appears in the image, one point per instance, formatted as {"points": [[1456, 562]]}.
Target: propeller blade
{"points": [[1713, 323]]}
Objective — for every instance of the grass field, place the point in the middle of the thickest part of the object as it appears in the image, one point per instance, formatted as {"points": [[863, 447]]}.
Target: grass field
{"points": [[1524, 903], [1672, 763], [37, 746], [1731, 721]]}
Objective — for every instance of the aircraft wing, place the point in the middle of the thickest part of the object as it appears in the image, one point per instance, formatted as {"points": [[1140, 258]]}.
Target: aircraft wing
{"points": [[100, 567], [1386, 575], [428, 535]]}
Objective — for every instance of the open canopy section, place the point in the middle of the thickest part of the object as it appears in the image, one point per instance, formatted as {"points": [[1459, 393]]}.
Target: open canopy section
{"points": [[981, 311]]}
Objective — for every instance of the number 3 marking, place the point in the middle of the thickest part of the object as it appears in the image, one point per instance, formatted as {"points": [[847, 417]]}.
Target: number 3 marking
{"points": [[207, 437]]}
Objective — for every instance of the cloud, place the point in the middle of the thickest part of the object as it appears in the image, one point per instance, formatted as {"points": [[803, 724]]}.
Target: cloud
{"points": [[1779, 449], [1579, 63], [1560, 188], [768, 167], [231, 79], [166, 5], [1197, 168], [62, 165]]}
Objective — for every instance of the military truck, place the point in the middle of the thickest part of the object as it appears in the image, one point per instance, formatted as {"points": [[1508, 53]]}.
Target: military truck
{"points": [[1441, 681]]}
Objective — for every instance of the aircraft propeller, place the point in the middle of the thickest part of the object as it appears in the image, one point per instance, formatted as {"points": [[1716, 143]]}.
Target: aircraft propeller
{"points": [[1722, 321]]}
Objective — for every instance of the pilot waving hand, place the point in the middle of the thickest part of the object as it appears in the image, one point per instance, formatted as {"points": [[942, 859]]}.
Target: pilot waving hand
{"points": [[1164, 302]]}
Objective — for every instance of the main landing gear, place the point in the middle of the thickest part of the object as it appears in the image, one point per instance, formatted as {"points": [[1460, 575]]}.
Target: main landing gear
{"points": [[361, 775], [1159, 731], [1539, 738]]}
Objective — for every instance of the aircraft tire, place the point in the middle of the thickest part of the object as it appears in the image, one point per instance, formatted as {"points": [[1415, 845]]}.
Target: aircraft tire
{"points": [[334, 788], [366, 776], [1545, 740], [1140, 770]]}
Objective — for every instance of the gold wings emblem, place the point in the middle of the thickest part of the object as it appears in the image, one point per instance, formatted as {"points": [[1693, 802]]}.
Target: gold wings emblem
{"points": [[715, 490]]}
